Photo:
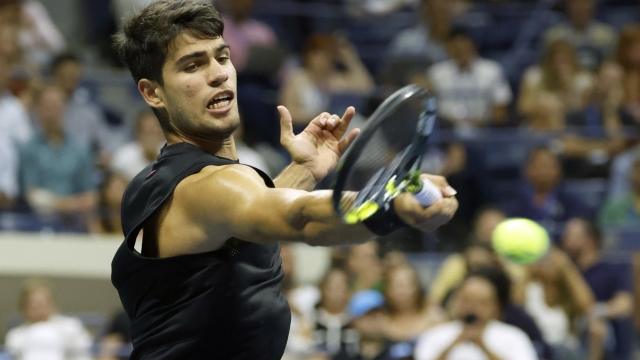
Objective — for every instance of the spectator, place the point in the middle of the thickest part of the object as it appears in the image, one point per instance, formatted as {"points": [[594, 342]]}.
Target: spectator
{"points": [[366, 309], [242, 32], [330, 66], [249, 156], [365, 267], [593, 40], [332, 330], [131, 158], [109, 204], [473, 92], [427, 40], [622, 210], [610, 284], [561, 75], [9, 172], [14, 118], [84, 119], [513, 314], [628, 57], [44, 333], [39, 37], [56, 172], [408, 312], [476, 333], [541, 196], [478, 254], [556, 296], [113, 345]]}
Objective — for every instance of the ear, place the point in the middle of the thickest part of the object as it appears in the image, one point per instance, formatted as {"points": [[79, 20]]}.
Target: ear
{"points": [[151, 93]]}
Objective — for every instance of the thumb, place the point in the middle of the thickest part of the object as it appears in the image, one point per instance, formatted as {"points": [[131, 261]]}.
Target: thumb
{"points": [[286, 125]]}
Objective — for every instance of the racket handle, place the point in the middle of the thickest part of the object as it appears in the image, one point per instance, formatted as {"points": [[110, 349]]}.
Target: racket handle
{"points": [[428, 194]]}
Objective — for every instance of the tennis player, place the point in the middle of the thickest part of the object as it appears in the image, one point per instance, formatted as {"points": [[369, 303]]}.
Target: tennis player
{"points": [[206, 281]]}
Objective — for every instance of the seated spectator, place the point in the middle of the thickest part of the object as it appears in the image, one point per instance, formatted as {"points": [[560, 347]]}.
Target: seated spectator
{"points": [[541, 196], [593, 40], [473, 92], [556, 296], [511, 313], [561, 75], [14, 118], [249, 156], [621, 211], [628, 57], [476, 332], [610, 284], [478, 254], [408, 312], [365, 267], [9, 172], [330, 66], [109, 203], [39, 36], [56, 172], [331, 330], [241, 31], [427, 40], [45, 334], [131, 158], [366, 310], [113, 345], [84, 119]]}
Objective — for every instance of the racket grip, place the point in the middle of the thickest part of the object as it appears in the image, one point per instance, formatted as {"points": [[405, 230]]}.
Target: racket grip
{"points": [[428, 194]]}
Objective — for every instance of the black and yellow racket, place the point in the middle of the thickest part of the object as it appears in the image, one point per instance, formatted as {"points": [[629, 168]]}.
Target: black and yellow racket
{"points": [[385, 160]]}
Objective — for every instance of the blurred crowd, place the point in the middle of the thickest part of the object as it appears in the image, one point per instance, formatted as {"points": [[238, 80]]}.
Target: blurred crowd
{"points": [[540, 122]]}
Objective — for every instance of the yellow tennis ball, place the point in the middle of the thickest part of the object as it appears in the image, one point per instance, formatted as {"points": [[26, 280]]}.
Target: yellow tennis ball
{"points": [[520, 240]]}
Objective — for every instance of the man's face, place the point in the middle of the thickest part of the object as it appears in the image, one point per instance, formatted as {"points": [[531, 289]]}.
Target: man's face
{"points": [[199, 89], [477, 297], [543, 171], [67, 75], [581, 11], [574, 238], [39, 306], [51, 108], [462, 50]]}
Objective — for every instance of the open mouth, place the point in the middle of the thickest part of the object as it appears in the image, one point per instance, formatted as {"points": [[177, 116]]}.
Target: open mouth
{"points": [[220, 101]]}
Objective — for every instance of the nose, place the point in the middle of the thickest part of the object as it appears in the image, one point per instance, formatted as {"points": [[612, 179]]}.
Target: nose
{"points": [[217, 75]]}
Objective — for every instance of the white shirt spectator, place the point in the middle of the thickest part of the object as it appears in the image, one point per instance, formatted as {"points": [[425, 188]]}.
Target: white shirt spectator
{"points": [[467, 97], [14, 119], [416, 43], [552, 321], [250, 157], [505, 341], [8, 167], [59, 338], [129, 160]]}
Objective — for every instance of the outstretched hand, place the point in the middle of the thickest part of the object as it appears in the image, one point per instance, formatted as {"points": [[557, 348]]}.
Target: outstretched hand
{"points": [[321, 144]]}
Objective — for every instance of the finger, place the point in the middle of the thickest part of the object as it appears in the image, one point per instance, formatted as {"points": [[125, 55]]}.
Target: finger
{"points": [[441, 182], [286, 125], [321, 120], [333, 122], [344, 144], [344, 122]]}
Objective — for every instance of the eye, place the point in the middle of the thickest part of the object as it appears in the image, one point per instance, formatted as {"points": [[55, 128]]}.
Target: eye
{"points": [[190, 68], [223, 59]]}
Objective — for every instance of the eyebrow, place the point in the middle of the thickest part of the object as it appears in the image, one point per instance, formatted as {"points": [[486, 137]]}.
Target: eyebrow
{"points": [[198, 54]]}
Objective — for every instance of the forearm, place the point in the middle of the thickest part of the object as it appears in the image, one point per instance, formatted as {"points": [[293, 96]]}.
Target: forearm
{"points": [[580, 291], [619, 306], [296, 176]]}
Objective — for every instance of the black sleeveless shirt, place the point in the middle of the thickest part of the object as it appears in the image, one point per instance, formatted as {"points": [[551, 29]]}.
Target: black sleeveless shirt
{"points": [[223, 304]]}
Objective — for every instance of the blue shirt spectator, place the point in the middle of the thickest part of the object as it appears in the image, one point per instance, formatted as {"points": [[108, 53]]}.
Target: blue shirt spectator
{"points": [[541, 196], [56, 173], [610, 284]]}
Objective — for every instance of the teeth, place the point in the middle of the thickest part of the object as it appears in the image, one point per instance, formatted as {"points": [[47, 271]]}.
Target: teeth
{"points": [[218, 105], [221, 96]]}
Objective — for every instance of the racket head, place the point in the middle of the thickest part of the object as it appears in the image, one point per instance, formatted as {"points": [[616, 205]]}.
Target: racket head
{"points": [[386, 153]]}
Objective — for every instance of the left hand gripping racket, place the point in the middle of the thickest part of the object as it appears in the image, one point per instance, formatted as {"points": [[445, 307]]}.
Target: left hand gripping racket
{"points": [[385, 159]]}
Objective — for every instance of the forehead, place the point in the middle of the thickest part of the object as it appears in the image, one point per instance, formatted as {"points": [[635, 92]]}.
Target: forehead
{"points": [[478, 289], [186, 44]]}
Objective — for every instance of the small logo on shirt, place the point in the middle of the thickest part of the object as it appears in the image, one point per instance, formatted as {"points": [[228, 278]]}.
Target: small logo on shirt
{"points": [[152, 172]]}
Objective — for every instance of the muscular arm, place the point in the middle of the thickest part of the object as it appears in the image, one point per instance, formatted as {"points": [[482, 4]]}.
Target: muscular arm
{"points": [[296, 176]]}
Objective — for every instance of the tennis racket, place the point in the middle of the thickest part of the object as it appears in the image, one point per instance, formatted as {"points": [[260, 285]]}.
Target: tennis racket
{"points": [[385, 160]]}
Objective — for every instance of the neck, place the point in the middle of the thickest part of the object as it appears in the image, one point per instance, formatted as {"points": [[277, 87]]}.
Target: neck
{"points": [[54, 136], [223, 148], [588, 259], [370, 348], [579, 24]]}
